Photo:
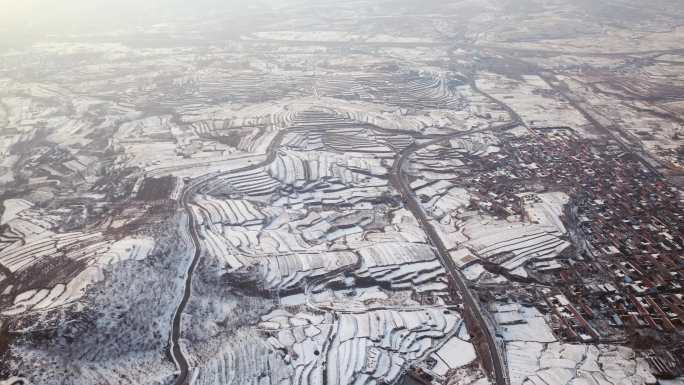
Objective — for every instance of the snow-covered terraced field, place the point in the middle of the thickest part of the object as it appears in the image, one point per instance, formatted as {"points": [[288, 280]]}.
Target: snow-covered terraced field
{"points": [[535, 357], [298, 168], [447, 162], [250, 183], [218, 246], [403, 266], [246, 360], [287, 271], [525, 96], [356, 348], [18, 257], [230, 212], [442, 197], [455, 353], [346, 137], [429, 91], [513, 244], [396, 253], [92, 254], [335, 193]]}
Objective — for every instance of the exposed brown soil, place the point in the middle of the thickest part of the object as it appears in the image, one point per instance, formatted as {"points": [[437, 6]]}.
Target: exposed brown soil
{"points": [[155, 189], [479, 341]]}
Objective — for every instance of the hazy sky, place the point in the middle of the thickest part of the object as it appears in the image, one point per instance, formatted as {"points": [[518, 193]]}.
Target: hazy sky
{"points": [[38, 17], [25, 21], [47, 14]]}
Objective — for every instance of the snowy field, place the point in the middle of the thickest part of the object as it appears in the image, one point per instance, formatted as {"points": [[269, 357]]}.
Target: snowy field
{"points": [[535, 356]]}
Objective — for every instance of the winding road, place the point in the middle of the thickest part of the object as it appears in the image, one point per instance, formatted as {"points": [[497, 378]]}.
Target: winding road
{"points": [[174, 345], [189, 191]]}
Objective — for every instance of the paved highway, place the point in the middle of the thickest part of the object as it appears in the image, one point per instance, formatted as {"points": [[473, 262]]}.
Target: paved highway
{"points": [[472, 304]]}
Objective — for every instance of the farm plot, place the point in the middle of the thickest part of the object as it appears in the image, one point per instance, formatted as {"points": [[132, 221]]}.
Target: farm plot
{"points": [[162, 145], [535, 357], [403, 266], [329, 226], [441, 197], [546, 209], [28, 222], [266, 116], [395, 253], [246, 360], [247, 139], [284, 231], [76, 245], [449, 159], [535, 101], [510, 228], [413, 89], [21, 230], [346, 137], [231, 212], [12, 207], [252, 183], [219, 247], [403, 223], [356, 348], [285, 272], [336, 193], [299, 168], [248, 86], [512, 244], [353, 140], [455, 353], [343, 133], [87, 254]]}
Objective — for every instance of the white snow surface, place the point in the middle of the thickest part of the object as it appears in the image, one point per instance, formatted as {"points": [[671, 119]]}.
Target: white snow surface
{"points": [[12, 207]]}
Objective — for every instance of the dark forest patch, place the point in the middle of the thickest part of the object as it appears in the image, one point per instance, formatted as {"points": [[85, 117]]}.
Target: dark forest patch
{"points": [[155, 189]]}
